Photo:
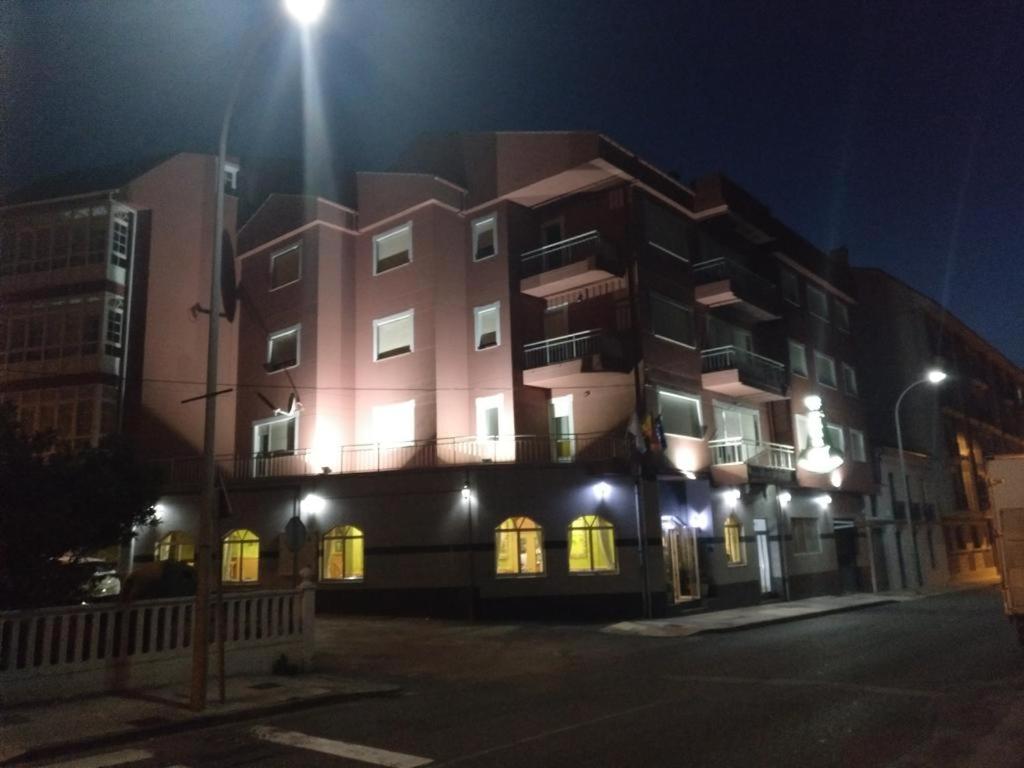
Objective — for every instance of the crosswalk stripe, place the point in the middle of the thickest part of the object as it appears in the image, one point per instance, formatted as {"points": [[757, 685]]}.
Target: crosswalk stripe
{"points": [[108, 759], [339, 748]]}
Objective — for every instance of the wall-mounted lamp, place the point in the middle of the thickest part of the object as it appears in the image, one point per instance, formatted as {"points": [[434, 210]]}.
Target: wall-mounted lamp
{"points": [[836, 478], [602, 490], [699, 520], [824, 500], [689, 475], [784, 498], [732, 497], [465, 492], [312, 504]]}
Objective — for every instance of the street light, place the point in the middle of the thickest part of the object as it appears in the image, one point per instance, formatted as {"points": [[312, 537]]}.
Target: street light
{"points": [[935, 376], [304, 12]]}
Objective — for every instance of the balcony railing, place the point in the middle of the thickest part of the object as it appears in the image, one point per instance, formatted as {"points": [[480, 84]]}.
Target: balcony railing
{"points": [[738, 450], [757, 370], [562, 348], [746, 284], [568, 251]]}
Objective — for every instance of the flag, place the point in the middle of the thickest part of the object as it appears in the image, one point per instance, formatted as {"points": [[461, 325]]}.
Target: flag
{"points": [[648, 430], [659, 433]]}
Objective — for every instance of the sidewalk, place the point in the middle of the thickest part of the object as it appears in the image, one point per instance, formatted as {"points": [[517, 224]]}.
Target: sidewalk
{"points": [[35, 731]]}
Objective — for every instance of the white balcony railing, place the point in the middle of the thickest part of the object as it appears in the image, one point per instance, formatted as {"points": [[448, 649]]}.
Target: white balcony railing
{"points": [[561, 349], [757, 370], [562, 253], [738, 450]]}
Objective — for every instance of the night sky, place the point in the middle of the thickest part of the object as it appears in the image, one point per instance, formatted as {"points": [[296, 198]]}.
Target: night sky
{"points": [[895, 128]]}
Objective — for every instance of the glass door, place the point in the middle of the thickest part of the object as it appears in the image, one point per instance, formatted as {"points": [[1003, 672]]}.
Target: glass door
{"points": [[563, 438], [740, 428], [679, 545], [764, 563]]}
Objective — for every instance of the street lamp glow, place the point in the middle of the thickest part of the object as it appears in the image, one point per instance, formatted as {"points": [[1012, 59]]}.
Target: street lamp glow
{"points": [[936, 376], [306, 12], [602, 490], [312, 504]]}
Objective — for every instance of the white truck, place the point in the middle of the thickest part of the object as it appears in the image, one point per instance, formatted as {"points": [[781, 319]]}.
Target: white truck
{"points": [[1006, 479]]}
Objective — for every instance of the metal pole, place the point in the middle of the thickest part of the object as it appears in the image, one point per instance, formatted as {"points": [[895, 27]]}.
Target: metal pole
{"points": [[905, 484], [782, 545]]}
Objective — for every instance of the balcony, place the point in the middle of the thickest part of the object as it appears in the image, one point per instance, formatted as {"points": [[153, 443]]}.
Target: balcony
{"points": [[744, 375], [572, 263], [598, 356], [742, 460], [724, 283]]}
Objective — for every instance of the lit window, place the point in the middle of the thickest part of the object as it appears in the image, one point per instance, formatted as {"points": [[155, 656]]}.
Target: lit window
{"points": [[285, 267], [392, 249], [835, 438], [230, 177], [842, 316], [274, 436], [393, 335], [282, 349], [825, 368], [806, 540], [519, 548], [790, 287], [395, 424], [120, 246], [591, 545], [797, 358], [241, 558], [849, 379], [817, 302], [115, 325], [857, 450], [680, 414], [485, 238], [671, 320], [488, 416], [342, 555], [735, 552], [487, 325], [177, 546]]}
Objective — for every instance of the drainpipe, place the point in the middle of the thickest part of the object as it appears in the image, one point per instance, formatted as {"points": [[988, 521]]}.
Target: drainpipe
{"points": [[781, 524]]}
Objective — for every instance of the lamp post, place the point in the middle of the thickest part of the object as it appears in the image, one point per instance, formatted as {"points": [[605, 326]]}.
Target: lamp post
{"points": [[305, 12], [933, 377]]}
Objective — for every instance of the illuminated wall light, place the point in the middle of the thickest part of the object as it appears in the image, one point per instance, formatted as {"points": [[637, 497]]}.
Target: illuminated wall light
{"points": [[732, 497], [689, 475], [824, 500], [784, 498], [699, 520], [602, 491], [836, 478], [465, 492], [312, 504]]}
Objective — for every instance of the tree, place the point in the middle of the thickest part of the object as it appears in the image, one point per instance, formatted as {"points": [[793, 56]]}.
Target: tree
{"points": [[57, 502]]}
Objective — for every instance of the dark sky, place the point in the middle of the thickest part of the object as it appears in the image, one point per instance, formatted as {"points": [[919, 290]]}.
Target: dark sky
{"points": [[895, 128]]}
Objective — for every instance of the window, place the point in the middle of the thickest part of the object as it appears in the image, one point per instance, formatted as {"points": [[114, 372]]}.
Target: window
{"points": [[488, 416], [680, 414], [857, 450], [487, 325], [842, 316], [806, 540], [115, 325], [282, 350], [393, 336], [241, 558], [395, 424], [552, 232], [285, 267], [817, 302], [564, 441], [120, 245], [519, 548], [671, 320], [825, 368], [790, 287], [735, 552], [341, 558], [392, 249], [274, 436], [591, 545], [797, 359], [835, 438], [230, 177], [485, 237], [177, 546], [849, 379]]}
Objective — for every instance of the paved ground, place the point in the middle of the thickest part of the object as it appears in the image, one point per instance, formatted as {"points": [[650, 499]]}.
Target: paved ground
{"points": [[931, 682]]}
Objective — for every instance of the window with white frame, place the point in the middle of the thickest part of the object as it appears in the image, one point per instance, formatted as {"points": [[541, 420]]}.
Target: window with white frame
{"points": [[790, 286], [797, 358], [857, 449], [115, 325], [485, 237], [393, 335], [120, 245], [849, 379], [285, 267], [800, 430], [806, 539], [395, 423], [836, 438], [671, 320], [842, 316], [230, 177], [680, 414], [487, 325], [392, 249], [275, 436], [817, 302], [488, 416], [282, 349], [825, 370]]}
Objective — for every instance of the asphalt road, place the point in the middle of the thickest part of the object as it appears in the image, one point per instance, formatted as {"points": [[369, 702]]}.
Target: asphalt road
{"points": [[932, 682]]}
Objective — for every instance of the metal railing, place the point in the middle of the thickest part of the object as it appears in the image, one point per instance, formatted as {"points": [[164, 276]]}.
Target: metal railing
{"points": [[747, 284], [562, 348], [755, 369], [567, 251], [738, 450]]}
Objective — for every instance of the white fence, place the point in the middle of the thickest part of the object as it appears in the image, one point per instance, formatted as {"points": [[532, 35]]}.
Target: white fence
{"points": [[59, 652]]}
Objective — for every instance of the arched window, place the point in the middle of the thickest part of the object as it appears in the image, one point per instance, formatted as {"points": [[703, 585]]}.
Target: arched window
{"points": [[591, 545], [241, 563], [735, 554], [176, 545], [519, 548], [341, 558]]}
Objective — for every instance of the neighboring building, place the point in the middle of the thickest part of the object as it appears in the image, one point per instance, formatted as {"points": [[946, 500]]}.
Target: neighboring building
{"points": [[948, 430]]}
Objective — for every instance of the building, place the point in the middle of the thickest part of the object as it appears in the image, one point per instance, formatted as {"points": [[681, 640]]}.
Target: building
{"points": [[948, 430]]}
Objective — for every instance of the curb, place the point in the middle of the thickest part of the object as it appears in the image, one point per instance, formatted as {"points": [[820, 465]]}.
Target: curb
{"points": [[195, 723], [790, 619]]}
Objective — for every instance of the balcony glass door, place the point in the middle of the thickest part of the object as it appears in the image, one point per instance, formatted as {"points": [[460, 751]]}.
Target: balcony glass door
{"points": [[740, 428], [562, 439]]}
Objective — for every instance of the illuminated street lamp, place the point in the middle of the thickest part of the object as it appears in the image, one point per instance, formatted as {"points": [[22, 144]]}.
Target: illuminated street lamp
{"points": [[305, 12], [935, 376]]}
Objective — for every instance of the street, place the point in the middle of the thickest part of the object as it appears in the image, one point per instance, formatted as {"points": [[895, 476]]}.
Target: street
{"points": [[932, 682]]}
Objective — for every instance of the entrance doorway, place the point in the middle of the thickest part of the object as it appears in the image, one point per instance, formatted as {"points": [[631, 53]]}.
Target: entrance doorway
{"points": [[764, 562], [846, 554], [682, 576]]}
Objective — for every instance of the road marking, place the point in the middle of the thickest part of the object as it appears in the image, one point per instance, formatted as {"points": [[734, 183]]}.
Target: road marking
{"points": [[339, 748], [102, 761]]}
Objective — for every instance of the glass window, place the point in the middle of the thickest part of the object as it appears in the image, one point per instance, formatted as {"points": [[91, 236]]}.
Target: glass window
{"points": [[487, 325], [591, 545], [275, 436], [671, 320], [790, 287], [735, 552], [797, 358], [817, 302], [485, 237], [115, 324], [120, 246], [392, 249], [341, 558], [285, 267], [834, 437], [282, 350], [842, 316], [849, 379], [857, 449], [680, 414], [178, 546], [241, 558], [806, 540], [395, 423], [825, 368], [519, 548], [488, 416], [393, 336]]}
